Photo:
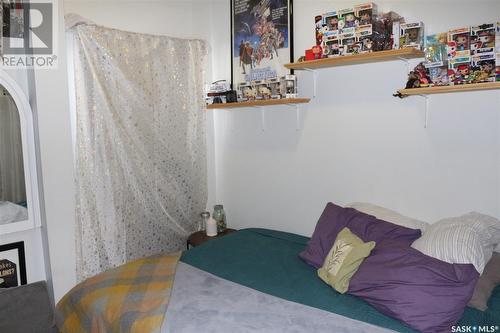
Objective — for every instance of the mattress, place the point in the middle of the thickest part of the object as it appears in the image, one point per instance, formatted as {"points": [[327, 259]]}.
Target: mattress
{"points": [[267, 261]]}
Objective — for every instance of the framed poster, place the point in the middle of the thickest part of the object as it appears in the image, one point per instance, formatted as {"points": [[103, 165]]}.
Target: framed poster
{"points": [[261, 39], [12, 265]]}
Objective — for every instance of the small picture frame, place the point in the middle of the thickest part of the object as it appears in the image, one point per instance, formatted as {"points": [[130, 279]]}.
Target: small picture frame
{"points": [[12, 265]]}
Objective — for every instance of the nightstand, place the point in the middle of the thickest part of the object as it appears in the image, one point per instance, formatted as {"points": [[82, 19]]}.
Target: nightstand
{"points": [[201, 237]]}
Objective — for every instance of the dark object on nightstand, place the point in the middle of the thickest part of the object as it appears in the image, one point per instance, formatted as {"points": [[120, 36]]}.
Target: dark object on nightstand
{"points": [[201, 237]]}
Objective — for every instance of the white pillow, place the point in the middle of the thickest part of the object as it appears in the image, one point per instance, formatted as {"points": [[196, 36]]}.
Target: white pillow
{"points": [[389, 215], [466, 239]]}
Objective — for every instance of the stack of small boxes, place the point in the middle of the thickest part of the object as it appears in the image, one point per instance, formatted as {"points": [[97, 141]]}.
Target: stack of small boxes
{"points": [[275, 88], [497, 45], [436, 57], [344, 32], [472, 55], [483, 53], [361, 30]]}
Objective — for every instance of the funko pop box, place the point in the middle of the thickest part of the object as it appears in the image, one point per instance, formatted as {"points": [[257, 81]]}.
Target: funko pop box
{"points": [[366, 13], [497, 40], [347, 19], [459, 39], [331, 21], [412, 35], [436, 50], [482, 38]]}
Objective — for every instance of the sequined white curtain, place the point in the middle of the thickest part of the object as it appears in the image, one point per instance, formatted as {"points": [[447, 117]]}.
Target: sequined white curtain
{"points": [[140, 145]]}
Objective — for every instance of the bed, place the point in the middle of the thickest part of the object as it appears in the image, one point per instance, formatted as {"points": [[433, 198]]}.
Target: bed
{"points": [[267, 261], [10, 212], [254, 281]]}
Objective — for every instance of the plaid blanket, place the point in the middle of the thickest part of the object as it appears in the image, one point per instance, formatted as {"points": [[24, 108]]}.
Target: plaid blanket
{"points": [[130, 298]]}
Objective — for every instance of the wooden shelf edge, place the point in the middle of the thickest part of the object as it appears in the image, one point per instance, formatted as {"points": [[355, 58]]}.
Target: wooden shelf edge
{"points": [[380, 56], [450, 89], [268, 102]]}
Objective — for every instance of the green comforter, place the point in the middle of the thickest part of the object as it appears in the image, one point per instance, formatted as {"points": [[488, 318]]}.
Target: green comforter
{"points": [[268, 261]]}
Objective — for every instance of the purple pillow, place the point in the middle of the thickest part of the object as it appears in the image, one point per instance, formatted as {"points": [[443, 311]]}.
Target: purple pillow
{"points": [[425, 293], [366, 227]]}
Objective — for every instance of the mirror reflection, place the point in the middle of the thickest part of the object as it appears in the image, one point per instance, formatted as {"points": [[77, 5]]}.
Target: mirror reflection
{"points": [[13, 205]]}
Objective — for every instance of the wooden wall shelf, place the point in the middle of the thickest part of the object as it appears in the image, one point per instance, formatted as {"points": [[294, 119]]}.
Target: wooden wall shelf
{"points": [[259, 103], [380, 56], [449, 89]]}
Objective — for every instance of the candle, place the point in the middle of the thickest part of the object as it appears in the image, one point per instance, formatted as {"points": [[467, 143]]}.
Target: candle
{"points": [[211, 227]]}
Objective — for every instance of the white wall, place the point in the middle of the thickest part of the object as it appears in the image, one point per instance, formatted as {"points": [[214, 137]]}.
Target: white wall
{"points": [[173, 17], [57, 166], [357, 142]]}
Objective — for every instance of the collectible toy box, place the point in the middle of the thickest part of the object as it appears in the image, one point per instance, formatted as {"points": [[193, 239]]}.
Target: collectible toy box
{"points": [[275, 87], [289, 86], [347, 18], [459, 43], [366, 13], [436, 59], [331, 21], [483, 52], [332, 46], [412, 35], [459, 56], [354, 30], [497, 46], [435, 50], [318, 23]]}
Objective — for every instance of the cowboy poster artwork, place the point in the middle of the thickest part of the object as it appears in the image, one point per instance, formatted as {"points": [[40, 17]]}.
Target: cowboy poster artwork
{"points": [[261, 39]]}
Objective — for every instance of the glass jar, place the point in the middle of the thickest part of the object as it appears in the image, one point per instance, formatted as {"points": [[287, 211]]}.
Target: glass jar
{"points": [[220, 216], [202, 226]]}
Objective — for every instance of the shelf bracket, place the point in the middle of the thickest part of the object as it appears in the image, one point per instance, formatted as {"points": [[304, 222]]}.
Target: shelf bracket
{"points": [[263, 117], [427, 104], [407, 62], [315, 79], [297, 115]]}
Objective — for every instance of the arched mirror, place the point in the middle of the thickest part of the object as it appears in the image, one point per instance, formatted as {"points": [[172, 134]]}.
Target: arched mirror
{"points": [[19, 208], [13, 203]]}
